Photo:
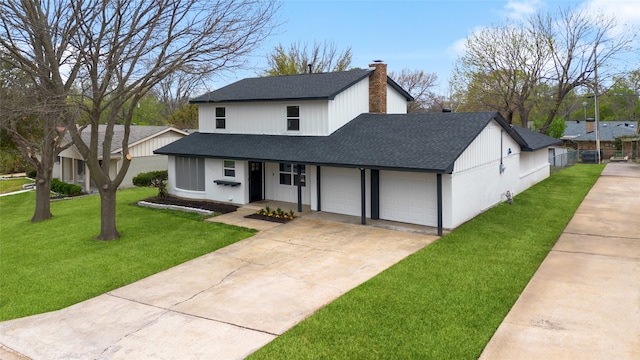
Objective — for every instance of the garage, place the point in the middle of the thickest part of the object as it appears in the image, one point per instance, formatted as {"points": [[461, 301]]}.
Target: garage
{"points": [[341, 191], [408, 197]]}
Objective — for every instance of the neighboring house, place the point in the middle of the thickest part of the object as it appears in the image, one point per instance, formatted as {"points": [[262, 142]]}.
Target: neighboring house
{"points": [[343, 143], [143, 140], [581, 135]]}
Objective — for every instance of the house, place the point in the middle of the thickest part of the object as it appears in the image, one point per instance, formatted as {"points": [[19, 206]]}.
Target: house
{"points": [[581, 135], [70, 166], [343, 143]]}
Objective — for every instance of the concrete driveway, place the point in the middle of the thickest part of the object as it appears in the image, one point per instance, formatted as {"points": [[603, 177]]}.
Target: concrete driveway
{"points": [[584, 300], [224, 305]]}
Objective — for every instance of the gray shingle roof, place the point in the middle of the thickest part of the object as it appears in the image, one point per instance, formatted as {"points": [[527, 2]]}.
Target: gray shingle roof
{"points": [[418, 142], [319, 86], [532, 140], [136, 134], [609, 130]]}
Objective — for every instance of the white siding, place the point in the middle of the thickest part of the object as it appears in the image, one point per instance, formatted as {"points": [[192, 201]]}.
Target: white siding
{"points": [[489, 146], [477, 189], [269, 118], [408, 197], [534, 167], [396, 103], [286, 193], [348, 104], [213, 170]]}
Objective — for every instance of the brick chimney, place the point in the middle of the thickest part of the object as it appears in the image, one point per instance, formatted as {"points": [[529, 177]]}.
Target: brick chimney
{"points": [[591, 125], [378, 88]]}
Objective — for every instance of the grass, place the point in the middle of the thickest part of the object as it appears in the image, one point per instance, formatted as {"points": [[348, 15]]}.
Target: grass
{"points": [[52, 264], [447, 300], [10, 185]]}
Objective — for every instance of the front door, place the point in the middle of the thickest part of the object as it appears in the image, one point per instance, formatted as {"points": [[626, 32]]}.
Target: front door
{"points": [[255, 181]]}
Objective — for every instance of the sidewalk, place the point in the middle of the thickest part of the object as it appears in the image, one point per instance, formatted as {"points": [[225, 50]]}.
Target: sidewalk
{"points": [[584, 300]]}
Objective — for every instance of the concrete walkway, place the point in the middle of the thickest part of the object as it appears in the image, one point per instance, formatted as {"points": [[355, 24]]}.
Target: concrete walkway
{"points": [[224, 305], [584, 300]]}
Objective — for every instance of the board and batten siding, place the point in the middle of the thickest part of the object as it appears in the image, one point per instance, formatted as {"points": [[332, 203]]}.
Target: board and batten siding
{"points": [[487, 147], [348, 105], [146, 147], [396, 103], [265, 118]]}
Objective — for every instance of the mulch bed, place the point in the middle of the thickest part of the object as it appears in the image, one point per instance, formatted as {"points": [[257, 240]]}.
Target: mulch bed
{"points": [[267, 218], [197, 204]]}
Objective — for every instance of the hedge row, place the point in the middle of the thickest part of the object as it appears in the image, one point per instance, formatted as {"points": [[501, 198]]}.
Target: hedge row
{"points": [[65, 188], [146, 179]]}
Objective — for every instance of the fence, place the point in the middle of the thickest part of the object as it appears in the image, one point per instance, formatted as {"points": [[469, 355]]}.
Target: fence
{"points": [[563, 159]]}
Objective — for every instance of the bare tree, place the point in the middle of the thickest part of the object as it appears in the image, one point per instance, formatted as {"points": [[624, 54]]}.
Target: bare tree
{"points": [[125, 48], [420, 85], [33, 42], [299, 58], [500, 70], [577, 42], [176, 89]]}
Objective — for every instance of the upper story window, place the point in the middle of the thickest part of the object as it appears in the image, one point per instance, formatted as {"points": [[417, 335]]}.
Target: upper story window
{"points": [[293, 118], [229, 168], [221, 118], [288, 173]]}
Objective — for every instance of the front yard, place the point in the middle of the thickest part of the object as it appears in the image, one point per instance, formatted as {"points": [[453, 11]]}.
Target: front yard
{"points": [[55, 263], [446, 300]]}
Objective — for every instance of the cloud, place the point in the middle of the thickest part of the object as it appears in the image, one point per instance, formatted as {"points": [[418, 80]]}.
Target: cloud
{"points": [[521, 9], [627, 12]]}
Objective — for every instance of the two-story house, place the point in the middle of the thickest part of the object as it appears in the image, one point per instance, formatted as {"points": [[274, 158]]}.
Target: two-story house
{"points": [[342, 142]]}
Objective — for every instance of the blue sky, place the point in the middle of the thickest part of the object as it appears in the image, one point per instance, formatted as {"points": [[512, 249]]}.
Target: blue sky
{"points": [[417, 35]]}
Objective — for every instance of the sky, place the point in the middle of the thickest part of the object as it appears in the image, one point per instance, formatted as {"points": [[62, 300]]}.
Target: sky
{"points": [[425, 35]]}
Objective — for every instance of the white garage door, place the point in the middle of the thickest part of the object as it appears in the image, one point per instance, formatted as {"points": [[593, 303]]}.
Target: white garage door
{"points": [[340, 191], [408, 197]]}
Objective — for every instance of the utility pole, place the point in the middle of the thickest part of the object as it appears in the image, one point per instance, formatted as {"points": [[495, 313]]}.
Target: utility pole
{"points": [[595, 100]]}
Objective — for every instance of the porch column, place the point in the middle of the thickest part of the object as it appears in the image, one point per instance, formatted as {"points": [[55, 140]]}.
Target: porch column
{"points": [[298, 171], [363, 196], [375, 194], [439, 182], [318, 187]]}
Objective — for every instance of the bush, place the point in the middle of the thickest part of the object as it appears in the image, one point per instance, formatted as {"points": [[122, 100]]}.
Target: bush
{"points": [[65, 188], [147, 179], [32, 173]]}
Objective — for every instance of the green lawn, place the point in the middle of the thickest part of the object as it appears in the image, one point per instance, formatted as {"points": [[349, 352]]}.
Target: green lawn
{"points": [[55, 263], [10, 185], [447, 300]]}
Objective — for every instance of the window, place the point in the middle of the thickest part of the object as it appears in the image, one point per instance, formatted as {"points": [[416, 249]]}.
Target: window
{"points": [[293, 118], [190, 173], [221, 121], [288, 172], [229, 168]]}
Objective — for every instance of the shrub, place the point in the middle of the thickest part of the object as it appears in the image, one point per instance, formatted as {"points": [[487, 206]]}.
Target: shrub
{"points": [[32, 173], [65, 188], [147, 179]]}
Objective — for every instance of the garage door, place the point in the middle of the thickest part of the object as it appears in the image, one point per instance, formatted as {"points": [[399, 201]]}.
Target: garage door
{"points": [[408, 197], [340, 191]]}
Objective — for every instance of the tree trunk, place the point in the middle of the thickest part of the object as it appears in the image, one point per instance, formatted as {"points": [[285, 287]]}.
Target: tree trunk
{"points": [[108, 230], [43, 201]]}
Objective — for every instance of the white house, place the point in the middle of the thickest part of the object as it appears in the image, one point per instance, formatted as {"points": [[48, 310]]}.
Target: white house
{"points": [[342, 142], [143, 140]]}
